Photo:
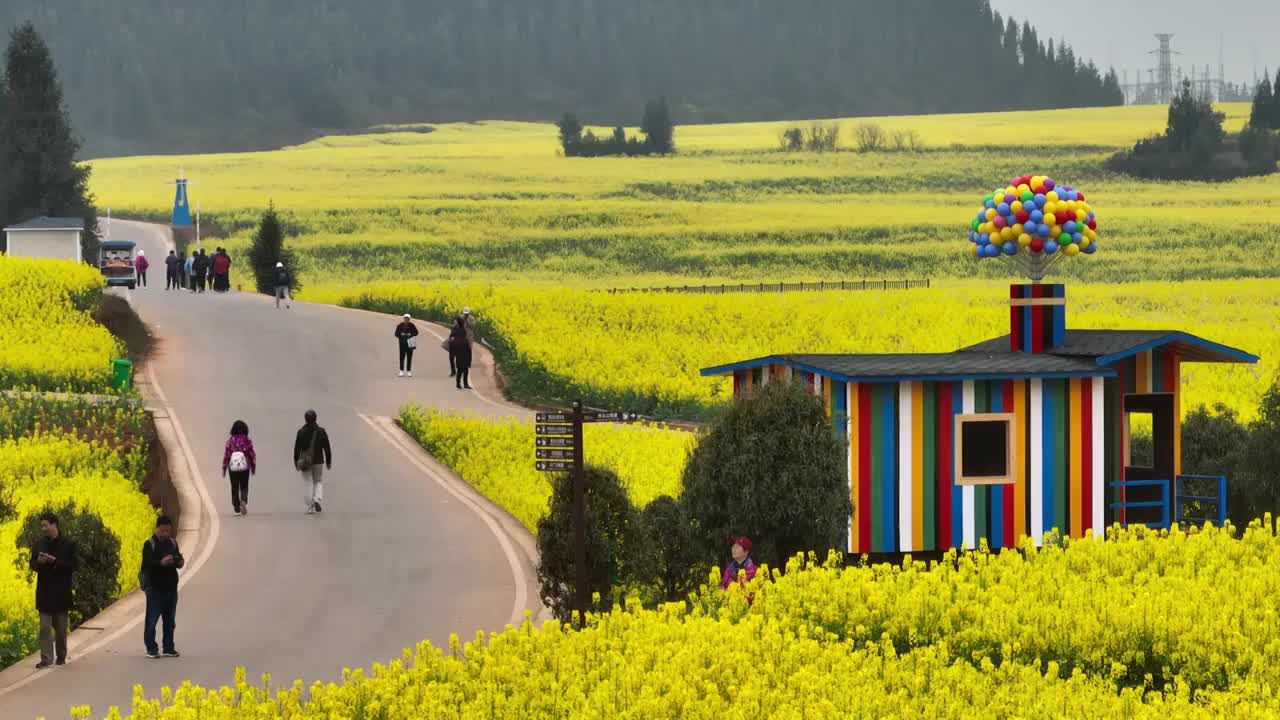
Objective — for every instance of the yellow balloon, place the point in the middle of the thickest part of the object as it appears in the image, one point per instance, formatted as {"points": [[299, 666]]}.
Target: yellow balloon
{"points": [[1017, 228], [1085, 243], [1072, 250], [1037, 180], [1016, 206], [1050, 208], [1011, 190], [1051, 196], [1085, 207], [1090, 233], [1024, 240], [1055, 231], [991, 213], [1071, 205], [973, 250], [1006, 233], [1023, 188], [1081, 215]]}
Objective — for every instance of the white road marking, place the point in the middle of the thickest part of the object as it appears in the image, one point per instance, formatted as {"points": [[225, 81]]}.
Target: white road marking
{"points": [[517, 572]]}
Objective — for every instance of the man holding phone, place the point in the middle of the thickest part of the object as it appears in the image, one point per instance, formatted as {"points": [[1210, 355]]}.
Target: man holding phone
{"points": [[53, 559], [161, 560]]}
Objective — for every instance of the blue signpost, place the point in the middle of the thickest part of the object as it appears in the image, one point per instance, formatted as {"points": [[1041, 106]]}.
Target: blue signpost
{"points": [[181, 204]]}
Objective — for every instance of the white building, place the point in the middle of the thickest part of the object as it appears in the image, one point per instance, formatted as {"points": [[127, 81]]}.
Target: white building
{"points": [[46, 237]]}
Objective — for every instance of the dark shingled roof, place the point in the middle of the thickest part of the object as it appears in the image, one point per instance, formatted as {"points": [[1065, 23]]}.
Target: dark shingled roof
{"points": [[1111, 345], [49, 223], [940, 366]]}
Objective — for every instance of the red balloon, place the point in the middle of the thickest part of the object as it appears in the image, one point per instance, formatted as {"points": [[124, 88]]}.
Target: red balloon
{"points": [[1037, 245], [1062, 217], [1023, 216], [1093, 224], [1079, 196]]}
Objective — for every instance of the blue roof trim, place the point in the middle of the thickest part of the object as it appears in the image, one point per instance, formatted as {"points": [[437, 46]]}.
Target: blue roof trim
{"points": [[1239, 355], [779, 360]]}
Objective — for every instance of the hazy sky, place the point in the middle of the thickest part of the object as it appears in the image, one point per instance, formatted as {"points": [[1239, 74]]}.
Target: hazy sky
{"points": [[1119, 32]]}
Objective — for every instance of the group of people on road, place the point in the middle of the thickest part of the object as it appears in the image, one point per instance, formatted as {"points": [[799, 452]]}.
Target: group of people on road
{"points": [[192, 273], [462, 336], [54, 557]]}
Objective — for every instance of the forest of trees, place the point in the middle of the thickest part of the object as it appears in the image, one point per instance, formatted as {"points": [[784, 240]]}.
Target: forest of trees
{"points": [[190, 74]]}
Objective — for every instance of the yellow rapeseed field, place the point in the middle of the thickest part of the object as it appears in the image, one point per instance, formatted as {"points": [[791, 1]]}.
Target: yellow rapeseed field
{"points": [[1144, 626]]}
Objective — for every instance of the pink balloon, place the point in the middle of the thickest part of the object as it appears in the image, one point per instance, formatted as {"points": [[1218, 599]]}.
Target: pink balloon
{"points": [[1000, 222]]}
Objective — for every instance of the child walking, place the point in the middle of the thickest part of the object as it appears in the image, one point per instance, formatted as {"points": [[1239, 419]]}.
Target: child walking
{"points": [[240, 461]]}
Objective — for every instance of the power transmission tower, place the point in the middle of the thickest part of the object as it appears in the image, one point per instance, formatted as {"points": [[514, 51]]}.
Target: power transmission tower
{"points": [[1164, 69]]}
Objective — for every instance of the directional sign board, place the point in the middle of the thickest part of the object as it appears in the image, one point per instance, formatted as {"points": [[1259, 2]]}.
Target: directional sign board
{"points": [[554, 442], [554, 430], [555, 454], [553, 466], [555, 417], [608, 416]]}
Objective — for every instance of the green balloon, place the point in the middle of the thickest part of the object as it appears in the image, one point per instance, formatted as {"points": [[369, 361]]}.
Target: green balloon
{"points": [[1028, 196], [974, 225], [986, 199]]}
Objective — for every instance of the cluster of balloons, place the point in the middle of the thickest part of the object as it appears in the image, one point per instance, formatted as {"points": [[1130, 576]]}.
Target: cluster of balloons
{"points": [[1034, 215]]}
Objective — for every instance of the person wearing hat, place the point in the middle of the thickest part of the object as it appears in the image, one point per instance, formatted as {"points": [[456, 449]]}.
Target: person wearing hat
{"points": [[280, 278], [740, 563], [140, 264], [469, 325], [407, 334]]}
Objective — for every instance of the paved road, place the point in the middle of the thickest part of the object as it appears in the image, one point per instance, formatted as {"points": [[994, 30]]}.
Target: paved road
{"points": [[394, 558]]}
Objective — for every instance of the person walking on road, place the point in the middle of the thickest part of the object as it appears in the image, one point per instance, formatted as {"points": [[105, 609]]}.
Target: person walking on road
{"points": [[189, 273], [460, 350], [171, 270], [312, 455], [140, 264], [471, 337], [407, 335], [221, 271], [239, 459], [161, 560], [201, 267], [53, 559], [280, 278]]}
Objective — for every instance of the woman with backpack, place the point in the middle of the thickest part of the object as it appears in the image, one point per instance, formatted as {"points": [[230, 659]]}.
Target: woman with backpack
{"points": [[240, 461], [460, 346]]}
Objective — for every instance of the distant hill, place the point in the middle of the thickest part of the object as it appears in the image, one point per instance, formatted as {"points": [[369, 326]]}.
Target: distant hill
{"points": [[233, 74]]}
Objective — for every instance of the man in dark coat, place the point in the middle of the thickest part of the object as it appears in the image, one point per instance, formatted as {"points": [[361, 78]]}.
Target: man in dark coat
{"points": [[161, 560], [53, 559], [171, 271], [312, 455], [201, 267]]}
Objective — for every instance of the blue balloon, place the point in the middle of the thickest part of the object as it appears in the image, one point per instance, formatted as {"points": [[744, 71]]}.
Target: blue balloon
{"points": [[993, 251], [1003, 208], [1036, 216], [1093, 248], [1070, 227], [1040, 199], [1029, 227], [1050, 247], [1010, 248], [984, 238], [1043, 231], [990, 205], [1077, 238]]}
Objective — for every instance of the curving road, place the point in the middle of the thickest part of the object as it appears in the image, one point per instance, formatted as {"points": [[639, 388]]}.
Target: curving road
{"points": [[394, 558]]}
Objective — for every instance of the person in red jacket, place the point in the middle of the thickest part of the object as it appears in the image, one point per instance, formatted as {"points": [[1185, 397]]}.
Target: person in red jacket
{"points": [[141, 263]]}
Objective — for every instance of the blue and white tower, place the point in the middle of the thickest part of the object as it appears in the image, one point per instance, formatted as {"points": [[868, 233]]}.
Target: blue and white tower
{"points": [[181, 204]]}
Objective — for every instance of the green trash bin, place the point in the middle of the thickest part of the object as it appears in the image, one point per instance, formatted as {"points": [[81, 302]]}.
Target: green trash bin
{"points": [[121, 375]]}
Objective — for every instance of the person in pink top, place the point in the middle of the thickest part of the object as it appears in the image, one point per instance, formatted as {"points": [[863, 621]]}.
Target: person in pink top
{"points": [[239, 460], [141, 263]]}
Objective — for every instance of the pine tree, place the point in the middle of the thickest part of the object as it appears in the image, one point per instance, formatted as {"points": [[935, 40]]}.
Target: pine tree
{"points": [[658, 128], [570, 135], [1275, 103], [38, 171], [268, 249], [1263, 105]]}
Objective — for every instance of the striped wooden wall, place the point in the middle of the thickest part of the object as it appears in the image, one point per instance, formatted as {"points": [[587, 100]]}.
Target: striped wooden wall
{"points": [[902, 461], [1153, 371]]}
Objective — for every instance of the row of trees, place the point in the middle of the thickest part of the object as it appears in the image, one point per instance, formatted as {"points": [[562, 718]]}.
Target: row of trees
{"points": [[1217, 443], [141, 78], [38, 172], [657, 126], [770, 468], [1266, 105]]}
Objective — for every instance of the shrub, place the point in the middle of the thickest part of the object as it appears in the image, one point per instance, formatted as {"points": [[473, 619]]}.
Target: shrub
{"points": [[906, 141], [769, 468], [96, 581], [791, 140], [669, 559], [823, 137], [868, 137], [611, 533]]}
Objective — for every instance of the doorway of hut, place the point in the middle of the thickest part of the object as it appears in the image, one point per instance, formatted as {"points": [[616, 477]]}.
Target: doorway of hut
{"points": [[1149, 457]]}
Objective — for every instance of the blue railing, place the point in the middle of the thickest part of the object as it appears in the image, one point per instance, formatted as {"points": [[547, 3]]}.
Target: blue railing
{"points": [[1162, 503], [1181, 496]]}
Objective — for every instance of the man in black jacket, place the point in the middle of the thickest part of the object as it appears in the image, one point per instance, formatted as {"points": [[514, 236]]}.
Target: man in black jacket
{"points": [[161, 560], [171, 271], [280, 281], [53, 559], [200, 265], [312, 456]]}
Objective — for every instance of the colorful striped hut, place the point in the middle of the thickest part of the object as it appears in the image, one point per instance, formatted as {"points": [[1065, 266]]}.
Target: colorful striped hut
{"points": [[1013, 437]]}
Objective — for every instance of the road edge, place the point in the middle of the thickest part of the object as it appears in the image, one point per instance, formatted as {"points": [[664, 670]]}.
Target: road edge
{"points": [[508, 530], [199, 529]]}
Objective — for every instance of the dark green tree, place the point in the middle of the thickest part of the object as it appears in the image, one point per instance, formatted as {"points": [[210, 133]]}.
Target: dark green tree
{"points": [[670, 560], [96, 582], [612, 531], [658, 127], [1193, 123], [570, 135], [1260, 463], [38, 171], [772, 469], [267, 249], [1261, 114], [1275, 103]]}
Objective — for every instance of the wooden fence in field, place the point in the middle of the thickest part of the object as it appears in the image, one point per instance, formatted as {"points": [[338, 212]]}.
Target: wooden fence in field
{"points": [[781, 287]]}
